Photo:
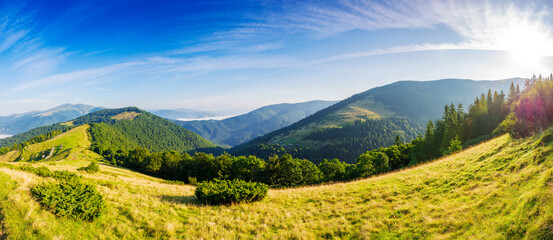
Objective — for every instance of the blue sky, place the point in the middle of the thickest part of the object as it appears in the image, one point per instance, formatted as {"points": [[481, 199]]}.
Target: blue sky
{"points": [[234, 56]]}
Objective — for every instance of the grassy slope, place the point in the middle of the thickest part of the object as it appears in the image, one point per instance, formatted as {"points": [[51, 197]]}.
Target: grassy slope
{"points": [[501, 189], [73, 141]]}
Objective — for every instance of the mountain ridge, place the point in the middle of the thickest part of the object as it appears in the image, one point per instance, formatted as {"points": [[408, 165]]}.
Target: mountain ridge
{"points": [[19, 123], [416, 102], [239, 129]]}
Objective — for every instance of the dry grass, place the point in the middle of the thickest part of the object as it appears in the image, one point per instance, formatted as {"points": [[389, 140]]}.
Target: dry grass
{"points": [[125, 116], [501, 189]]}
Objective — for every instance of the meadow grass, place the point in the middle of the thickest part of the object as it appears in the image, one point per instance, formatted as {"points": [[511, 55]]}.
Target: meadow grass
{"points": [[501, 189]]}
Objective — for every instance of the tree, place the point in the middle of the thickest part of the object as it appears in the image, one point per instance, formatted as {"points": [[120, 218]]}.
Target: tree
{"points": [[372, 162], [247, 168], [398, 141], [455, 145], [284, 171], [365, 166], [310, 172], [333, 170]]}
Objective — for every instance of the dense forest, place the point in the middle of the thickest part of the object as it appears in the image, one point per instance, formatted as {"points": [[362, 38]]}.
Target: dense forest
{"points": [[129, 128], [345, 143]]}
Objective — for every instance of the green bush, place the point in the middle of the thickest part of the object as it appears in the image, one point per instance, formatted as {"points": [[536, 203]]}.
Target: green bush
{"points": [[64, 175], [40, 171], [45, 172], [92, 168], [72, 198], [227, 192]]}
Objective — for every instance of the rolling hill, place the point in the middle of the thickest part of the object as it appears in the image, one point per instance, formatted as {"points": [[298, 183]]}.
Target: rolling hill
{"points": [[374, 117], [501, 189], [20, 123], [125, 129], [239, 129]]}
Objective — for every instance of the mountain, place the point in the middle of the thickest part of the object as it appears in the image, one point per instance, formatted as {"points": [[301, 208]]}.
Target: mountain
{"points": [[125, 129], [184, 114], [239, 129], [501, 189], [370, 119], [19, 123]]}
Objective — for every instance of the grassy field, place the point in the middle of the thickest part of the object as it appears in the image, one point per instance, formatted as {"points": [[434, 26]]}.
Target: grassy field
{"points": [[501, 189], [66, 146]]}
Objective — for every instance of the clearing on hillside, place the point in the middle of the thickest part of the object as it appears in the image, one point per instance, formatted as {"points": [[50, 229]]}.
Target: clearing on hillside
{"points": [[501, 189], [125, 116]]}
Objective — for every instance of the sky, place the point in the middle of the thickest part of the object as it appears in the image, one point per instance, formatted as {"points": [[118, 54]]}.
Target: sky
{"points": [[235, 56]]}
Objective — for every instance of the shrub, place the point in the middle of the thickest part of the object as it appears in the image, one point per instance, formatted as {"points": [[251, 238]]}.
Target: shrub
{"points": [[227, 192], [45, 172], [72, 198], [64, 175], [40, 171], [92, 168]]}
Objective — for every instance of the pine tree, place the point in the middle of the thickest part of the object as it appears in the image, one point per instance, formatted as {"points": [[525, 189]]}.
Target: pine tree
{"points": [[512, 95], [455, 145], [398, 141]]}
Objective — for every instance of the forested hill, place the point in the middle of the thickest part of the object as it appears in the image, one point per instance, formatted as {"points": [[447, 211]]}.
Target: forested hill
{"points": [[376, 117], [425, 100], [126, 128], [239, 129], [19, 123]]}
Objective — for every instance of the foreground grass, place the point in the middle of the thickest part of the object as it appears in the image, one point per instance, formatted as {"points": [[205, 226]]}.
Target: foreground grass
{"points": [[501, 189]]}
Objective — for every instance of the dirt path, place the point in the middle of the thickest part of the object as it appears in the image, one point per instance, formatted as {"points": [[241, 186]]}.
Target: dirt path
{"points": [[51, 152]]}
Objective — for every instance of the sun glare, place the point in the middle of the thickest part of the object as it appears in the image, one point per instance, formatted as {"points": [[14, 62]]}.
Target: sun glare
{"points": [[526, 44]]}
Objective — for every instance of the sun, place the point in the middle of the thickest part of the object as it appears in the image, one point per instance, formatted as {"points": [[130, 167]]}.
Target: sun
{"points": [[526, 44]]}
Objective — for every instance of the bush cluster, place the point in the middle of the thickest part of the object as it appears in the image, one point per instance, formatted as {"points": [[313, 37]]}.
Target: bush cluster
{"points": [[93, 167], [70, 198], [45, 172], [218, 192]]}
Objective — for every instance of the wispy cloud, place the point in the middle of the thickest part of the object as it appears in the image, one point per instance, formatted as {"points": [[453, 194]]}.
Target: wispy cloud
{"points": [[75, 76], [490, 25], [22, 44]]}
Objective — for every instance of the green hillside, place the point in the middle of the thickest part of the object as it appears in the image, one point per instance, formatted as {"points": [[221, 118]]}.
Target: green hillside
{"points": [[124, 129], [239, 129], [400, 108], [501, 189], [129, 128]]}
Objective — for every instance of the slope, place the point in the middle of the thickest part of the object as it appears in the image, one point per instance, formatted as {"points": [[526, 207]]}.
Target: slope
{"points": [[19, 123], [400, 108], [125, 129], [237, 130], [64, 146], [129, 128], [501, 189]]}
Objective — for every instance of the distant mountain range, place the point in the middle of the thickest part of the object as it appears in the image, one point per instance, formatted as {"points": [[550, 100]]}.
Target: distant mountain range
{"points": [[239, 129], [178, 114], [19, 123], [370, 119]]}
